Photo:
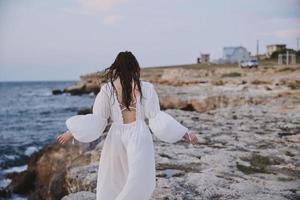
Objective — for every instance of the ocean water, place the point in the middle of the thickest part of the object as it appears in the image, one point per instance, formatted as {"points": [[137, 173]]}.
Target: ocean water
{"points": [[30, 117]]}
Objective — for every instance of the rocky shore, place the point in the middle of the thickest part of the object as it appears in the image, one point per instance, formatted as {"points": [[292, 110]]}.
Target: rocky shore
{"points": [[247, 121]]}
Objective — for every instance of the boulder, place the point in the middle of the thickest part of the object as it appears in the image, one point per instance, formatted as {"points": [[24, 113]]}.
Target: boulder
{"points": [[83, 195], [57, 92], [89, 83], [44, 177], [82, 178], [22, 182]]}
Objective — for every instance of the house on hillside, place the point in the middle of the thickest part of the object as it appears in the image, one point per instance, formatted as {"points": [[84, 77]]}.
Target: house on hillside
{"points": [[235, 54], [274, 47], [204, 58]]}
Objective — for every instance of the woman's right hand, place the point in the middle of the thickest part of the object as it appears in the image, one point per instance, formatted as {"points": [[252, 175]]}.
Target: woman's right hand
{"points": [[191, 138], [64, 138]]}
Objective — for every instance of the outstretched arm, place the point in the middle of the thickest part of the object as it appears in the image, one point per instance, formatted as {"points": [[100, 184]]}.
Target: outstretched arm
{"points": [[89, 127], [162, 124]]}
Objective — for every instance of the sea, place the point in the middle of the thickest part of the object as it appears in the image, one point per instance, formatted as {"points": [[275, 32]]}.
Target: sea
{"points": [[31, 117]]}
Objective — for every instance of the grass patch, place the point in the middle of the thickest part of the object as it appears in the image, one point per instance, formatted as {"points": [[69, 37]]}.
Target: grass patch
{"points": [[265, 146], [260, 82], [287, 69], [218, 82], [295, 85], [268, 62], [250, 169], [215, 196], [258, 164], [232, 74], [284, 179]]}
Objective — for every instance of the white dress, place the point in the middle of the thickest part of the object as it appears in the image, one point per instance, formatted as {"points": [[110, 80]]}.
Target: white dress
{"points": [[127, 165]]}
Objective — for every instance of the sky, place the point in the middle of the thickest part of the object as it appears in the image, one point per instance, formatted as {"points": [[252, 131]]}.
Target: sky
{"points": [[63, 39]]}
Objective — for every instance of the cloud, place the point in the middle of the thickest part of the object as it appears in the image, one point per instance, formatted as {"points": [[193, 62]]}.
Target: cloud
{"points": [[101, 8], [285, 33], [100, 5], [75, 11], [293, 2], [280, 28], [111, 19], [288, 21]]}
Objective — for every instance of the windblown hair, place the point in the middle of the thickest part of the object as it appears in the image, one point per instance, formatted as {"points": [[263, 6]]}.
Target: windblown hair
{"points": [[127, 68]]}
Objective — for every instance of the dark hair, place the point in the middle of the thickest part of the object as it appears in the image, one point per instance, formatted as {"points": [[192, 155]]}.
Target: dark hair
{"points": [[127, 68]]}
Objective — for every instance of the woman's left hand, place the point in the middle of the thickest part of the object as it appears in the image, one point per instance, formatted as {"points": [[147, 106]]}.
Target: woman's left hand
{"points": [[191, 138]]}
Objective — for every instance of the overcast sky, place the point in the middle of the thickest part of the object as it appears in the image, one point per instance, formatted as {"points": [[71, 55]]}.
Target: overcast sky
{"points": [[63, 39]]}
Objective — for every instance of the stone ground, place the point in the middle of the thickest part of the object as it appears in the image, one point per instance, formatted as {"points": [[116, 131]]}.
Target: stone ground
{"points": [[250, 152], [248, 125]]}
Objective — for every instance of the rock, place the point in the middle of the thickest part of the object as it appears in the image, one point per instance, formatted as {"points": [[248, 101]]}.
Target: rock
{"points": [[81, 174], [57, 92], [82, 178], [83, 195], [56, 188], [77, 89], [57, 170], [89, 83], [244, 82], [180, 76], [44, 177], [84, 111], [23, 182], [53, 158], [5, 193]]}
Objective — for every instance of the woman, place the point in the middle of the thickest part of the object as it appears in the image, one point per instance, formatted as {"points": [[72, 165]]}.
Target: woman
{"points": [[127, 165]]}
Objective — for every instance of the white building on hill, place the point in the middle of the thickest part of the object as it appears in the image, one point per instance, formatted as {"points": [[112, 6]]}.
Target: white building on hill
{"points": [[235, 54]]}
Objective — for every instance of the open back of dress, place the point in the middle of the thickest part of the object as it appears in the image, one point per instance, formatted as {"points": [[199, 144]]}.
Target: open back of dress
{"points": [[128, 116]]}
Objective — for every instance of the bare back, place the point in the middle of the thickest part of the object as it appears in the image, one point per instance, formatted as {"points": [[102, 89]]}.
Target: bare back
{"points": [[128, 115]]}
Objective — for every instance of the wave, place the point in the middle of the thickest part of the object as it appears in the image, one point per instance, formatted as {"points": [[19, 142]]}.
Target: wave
{"points": [[15, 169], [30, 150], [4, 182], [11, 157]]}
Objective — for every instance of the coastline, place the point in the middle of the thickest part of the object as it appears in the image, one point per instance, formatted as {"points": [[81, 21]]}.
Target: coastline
{"points": [[247, 122]]}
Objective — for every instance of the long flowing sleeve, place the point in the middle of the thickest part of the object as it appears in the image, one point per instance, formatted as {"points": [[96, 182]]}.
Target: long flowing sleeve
{"points": [[162, 124], [89, 127]]}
